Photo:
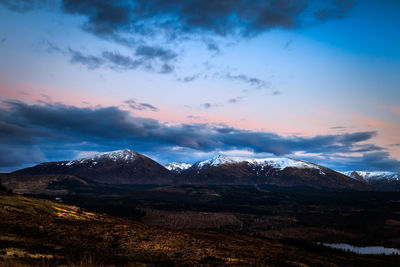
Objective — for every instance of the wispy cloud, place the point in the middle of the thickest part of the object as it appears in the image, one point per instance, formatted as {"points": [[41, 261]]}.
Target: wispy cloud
{"points": [[336, 9], [155, 59], [235, 99], [210, 105], [133, 104], [90, 61], [253, 81]]}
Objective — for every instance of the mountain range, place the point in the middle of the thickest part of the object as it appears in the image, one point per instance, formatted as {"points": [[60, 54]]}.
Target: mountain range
{"points": [[389, 181], [129, 167]]}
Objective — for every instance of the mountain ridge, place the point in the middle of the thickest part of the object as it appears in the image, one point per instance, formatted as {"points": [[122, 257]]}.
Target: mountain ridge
{"points": [[384, 180], [279, 171], [129, 167]]}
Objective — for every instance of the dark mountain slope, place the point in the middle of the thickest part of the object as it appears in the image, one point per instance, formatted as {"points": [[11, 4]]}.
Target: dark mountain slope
{"points": [[384, 180], [274, 171], [116, 167]]}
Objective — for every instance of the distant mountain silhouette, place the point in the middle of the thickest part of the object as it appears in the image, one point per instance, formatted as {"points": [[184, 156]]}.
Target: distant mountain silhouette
{"points": [[116, 167], [388, 181], [129, 167]]}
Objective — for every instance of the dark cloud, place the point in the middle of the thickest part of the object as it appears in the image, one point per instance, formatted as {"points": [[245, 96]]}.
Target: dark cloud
{"points": [[3, 40], [13, 156], [212, 45], [190, 78], [177, 17], [276, 92], [90, 61], [243, 17], [133, 104], [367, 148], [102, 16], [166, 68], [381, 161], [53, 128], [335, 9], [153, 53], [21, 5], [246, 79], [219, 17], [119, 61]]}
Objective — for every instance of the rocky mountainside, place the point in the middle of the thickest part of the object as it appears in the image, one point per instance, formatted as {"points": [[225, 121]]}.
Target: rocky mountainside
{"points": [[116, 167], [384, 180], [274, 171]]}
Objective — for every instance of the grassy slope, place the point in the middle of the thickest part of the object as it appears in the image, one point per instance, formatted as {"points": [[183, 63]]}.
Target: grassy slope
{"points": [[40, 231]]}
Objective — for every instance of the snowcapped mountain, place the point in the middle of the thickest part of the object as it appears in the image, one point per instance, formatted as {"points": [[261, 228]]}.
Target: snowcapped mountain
{"points": [[122, 156], [116, 167], [276, 163], [373, 176], [177, 167], [275, 171], [389, 181]]}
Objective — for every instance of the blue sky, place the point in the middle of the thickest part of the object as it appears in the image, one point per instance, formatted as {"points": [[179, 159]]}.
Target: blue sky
{"points": [[186, 80]]}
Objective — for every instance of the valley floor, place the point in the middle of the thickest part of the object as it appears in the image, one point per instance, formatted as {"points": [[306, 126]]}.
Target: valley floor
{"points": [[232, 228]]}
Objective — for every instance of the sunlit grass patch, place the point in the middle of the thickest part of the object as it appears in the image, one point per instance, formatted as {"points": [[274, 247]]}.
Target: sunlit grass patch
{"points": [[74, 213]]}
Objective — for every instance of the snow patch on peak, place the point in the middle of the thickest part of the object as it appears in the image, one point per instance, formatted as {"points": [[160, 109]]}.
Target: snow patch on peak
{"points": [[220, 160], [277, 163], [117, 155], [125, 155], [177, 166]]}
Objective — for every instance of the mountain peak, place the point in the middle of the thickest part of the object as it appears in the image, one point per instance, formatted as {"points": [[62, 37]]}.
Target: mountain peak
{"points": [[177, 166], [122, 155]]}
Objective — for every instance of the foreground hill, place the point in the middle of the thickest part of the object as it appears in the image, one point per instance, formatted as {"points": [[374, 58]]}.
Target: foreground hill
{"points": [[116, 167], [384, 180], [273, 171], [35, 231]]}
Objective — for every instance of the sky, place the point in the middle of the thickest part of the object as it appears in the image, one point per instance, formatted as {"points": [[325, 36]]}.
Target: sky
{"points": [[185, 80]]}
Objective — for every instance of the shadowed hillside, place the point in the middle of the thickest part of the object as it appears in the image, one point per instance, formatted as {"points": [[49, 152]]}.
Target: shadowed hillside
{"points": [[36, 231]]}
